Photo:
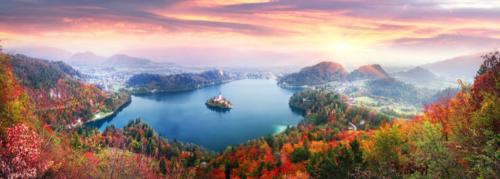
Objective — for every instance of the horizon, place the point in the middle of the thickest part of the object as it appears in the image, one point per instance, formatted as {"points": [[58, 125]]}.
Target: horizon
{"points": [[41, 52], [255, 33]]}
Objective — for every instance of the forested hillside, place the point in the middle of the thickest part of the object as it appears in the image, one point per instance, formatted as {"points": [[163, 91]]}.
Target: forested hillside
{"points": [[62, 100], [396, 90], [454, 138], [150, 83], [28, 143]]}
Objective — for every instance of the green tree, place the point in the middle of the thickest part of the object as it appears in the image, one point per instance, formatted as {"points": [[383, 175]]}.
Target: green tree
{"points": [[430, 150], [386, 155], [300, 154], [163, 166]]}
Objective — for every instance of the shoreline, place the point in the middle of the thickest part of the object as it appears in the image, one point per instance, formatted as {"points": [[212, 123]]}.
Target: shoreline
{"points": [[149, 92], [112, 113]]}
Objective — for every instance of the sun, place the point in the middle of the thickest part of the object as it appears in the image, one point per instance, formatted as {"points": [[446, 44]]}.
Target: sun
{"points": [[341, 47]]}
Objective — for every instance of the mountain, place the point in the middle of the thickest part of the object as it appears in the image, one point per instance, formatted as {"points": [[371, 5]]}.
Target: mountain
{"points": [[60, 98], [442, 95], [463, 67], [40, 74], [417, 74], [318, 74], [374, 71], [121, 60], [397, 90], [150, 83], [85, 58]]}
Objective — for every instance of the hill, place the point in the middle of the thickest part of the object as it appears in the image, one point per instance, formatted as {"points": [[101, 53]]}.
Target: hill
{"points": [[85, 59], [150, 83], [60, 98], [442, 142], [31, 148], [417, 74], [461, 67], [121, 60], [374, 71], [318, 74], [397, 90]]}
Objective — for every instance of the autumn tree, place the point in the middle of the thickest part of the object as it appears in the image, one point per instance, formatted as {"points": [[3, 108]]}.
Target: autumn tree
{"points": [[20, 153], [14, 103], [386, 154], [430, 151], [476, 121]]}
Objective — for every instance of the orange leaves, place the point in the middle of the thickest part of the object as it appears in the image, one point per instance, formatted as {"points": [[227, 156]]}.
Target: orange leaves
{"points": [[318, 146], [91, 158], [439, 113], [185, 154], [287, 148], [48, 129]]}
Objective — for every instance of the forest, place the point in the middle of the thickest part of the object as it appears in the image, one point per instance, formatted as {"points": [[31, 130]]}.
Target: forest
{"points": [[149, 83], [456, 137]]}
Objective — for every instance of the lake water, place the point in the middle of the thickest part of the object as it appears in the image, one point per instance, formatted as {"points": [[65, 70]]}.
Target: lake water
{"points": [[260, 107]]}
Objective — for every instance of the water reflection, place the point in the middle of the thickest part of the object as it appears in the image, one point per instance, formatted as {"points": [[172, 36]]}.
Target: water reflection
{"points": [[219, 110]]}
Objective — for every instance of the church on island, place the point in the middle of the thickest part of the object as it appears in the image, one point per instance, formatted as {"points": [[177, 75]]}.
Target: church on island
{"points": [[219, 102]]}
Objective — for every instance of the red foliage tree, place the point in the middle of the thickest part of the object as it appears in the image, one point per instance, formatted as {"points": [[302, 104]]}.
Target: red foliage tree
{"points": [[20, 153]]}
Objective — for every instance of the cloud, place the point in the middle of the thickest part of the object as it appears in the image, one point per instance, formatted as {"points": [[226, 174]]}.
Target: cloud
{"points": [[260, 29], [449, 41], [54, 15], [394, 10]]}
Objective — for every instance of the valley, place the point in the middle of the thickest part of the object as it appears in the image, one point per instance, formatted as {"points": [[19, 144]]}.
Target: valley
{"points": [[271, 131], [250, 89]]}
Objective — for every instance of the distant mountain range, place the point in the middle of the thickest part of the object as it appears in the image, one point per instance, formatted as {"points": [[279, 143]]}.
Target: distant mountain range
{"points": [[325, 72], [85, 58], [315, 75], [118, 60], [417, 74], [126, 61], [461, 67], [151, 83]]}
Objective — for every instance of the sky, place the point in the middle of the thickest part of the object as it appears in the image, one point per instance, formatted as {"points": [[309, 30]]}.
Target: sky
{"points": [[256, 32]]}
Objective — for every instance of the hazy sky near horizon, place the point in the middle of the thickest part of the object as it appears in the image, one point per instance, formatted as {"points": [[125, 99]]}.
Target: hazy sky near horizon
{"points": [[257, 32]]}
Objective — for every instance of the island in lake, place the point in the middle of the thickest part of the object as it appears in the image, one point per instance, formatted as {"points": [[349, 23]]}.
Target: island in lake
{"points": [[219, 103]]}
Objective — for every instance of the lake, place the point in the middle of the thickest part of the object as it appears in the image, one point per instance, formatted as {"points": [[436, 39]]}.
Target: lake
{"points": [[260, 107]]}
